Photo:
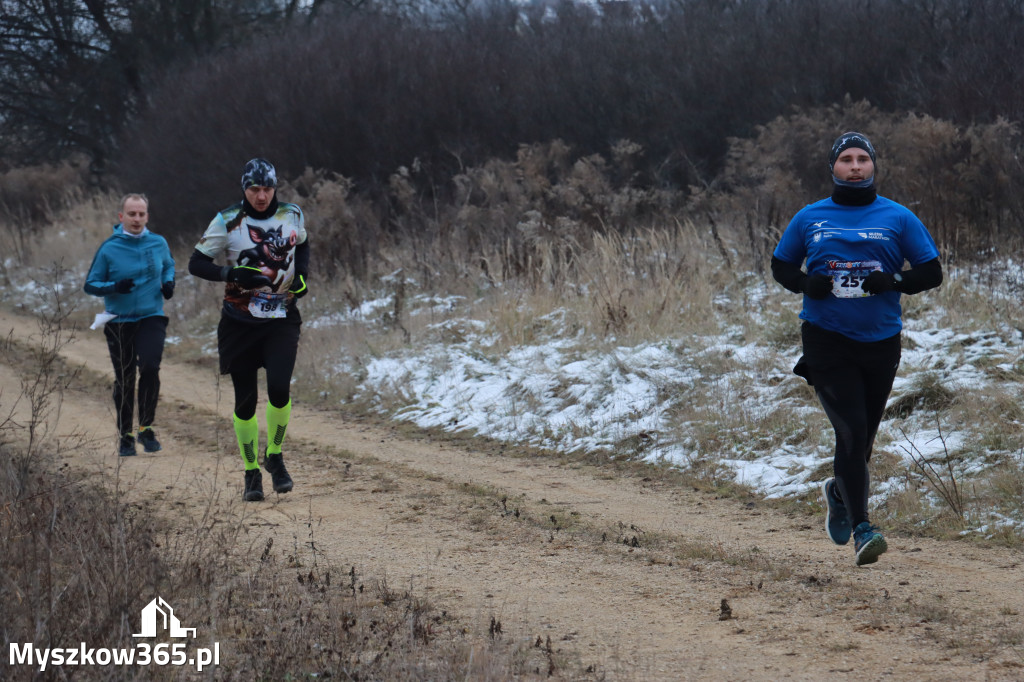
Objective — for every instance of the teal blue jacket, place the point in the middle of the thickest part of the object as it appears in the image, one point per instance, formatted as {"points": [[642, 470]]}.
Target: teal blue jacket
{"points": [[146, 259]]}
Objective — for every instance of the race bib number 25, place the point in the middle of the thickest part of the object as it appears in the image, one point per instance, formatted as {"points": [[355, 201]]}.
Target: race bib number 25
{"points": [[848, 276]]}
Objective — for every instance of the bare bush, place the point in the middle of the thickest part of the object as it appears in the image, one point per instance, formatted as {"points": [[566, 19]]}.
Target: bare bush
{"points": [[31, 196], [83, 555], [345, 227], [955, 178], [76, 566], [943, 478]]}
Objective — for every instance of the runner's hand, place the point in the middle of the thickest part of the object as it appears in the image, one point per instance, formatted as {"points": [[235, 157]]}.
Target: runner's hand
{"points": [[817, 286], [878, 282], [299, 288], [167, 289], [123, 286], [248, 277]]}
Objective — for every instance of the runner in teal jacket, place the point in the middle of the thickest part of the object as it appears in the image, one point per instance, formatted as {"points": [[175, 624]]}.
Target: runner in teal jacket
{"points": [[145, 259], [134, 272]]}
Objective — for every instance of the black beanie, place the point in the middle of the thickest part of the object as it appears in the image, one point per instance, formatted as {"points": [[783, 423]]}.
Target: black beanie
{"points": [[847, 140], [259, 173]]}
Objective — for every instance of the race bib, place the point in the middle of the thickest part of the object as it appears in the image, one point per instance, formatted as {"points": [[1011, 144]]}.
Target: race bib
{"points": [[848, 276], [267, 306]]}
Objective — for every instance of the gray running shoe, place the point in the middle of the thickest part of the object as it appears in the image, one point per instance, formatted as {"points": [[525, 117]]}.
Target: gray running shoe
{"points": [[148, 439]]}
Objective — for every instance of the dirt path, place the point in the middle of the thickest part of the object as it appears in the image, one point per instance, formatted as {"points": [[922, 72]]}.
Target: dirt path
{"points": [[627, 575]]}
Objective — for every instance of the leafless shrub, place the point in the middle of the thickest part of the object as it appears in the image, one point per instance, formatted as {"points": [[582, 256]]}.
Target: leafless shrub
{"points": [[81, 559], [956, 178], [345, 227], [77, 565], [45, 379], [943, 479], [31, 197], [31, 193]]}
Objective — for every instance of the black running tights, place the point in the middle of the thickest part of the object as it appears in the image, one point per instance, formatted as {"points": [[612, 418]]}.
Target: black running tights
{"points": [[136, 345], [279, 367], [853, 380]]}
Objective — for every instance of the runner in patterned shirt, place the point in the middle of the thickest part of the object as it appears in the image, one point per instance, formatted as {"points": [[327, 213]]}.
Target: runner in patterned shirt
{"points": [[854, 245], [265, 250]]}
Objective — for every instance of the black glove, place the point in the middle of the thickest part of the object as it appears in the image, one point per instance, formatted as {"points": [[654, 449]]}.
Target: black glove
{"points": [[878, 282], [248, 277], [123, 286], [299, 288], [167, 289], [817, 287]]}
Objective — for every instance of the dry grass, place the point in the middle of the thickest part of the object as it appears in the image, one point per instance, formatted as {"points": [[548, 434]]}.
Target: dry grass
{"points": [[81, 559], [326, 618], [617, 291], [551, 247]]}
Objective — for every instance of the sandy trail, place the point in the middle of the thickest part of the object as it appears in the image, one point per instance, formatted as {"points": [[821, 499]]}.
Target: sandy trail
{"points": [[428, 514]]}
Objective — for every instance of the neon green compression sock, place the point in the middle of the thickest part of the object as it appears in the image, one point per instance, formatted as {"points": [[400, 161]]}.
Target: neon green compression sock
{"points": [[277, 424], [248, 433]]}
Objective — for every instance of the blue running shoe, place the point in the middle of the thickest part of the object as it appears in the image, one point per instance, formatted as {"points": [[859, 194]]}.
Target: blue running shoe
{"points": [[126, 446], [148, 439], [837, 520], [868, 543]]}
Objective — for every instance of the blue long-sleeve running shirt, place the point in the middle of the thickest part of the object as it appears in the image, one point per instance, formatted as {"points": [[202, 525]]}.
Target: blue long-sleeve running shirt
{"points": [[846, 243]]}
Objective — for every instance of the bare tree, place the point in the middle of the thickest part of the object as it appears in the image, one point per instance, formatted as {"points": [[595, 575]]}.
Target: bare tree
{"points": [[74, 72], [58, 66]]}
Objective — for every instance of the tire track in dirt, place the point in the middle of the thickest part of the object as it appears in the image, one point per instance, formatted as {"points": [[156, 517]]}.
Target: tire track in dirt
{"points": [[429, 516]]}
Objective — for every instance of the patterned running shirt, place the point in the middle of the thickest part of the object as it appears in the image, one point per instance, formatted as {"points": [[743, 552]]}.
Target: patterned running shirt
{"points": [[268, 244]]}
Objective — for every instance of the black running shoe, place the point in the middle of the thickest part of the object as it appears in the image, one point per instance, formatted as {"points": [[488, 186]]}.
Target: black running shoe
{"points": [[148, 439], [253, 485], [275, 465], [126, 448]]}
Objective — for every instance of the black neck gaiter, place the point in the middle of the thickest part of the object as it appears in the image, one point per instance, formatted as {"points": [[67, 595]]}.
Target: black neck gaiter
{"points": [[260, 215], [853, 196]]}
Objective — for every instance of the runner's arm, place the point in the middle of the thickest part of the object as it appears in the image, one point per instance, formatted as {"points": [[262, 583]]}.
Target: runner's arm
{"points": [[167, 266], [788, 275], [96, 282], [203, 267], [927, 275], [302, 259]]}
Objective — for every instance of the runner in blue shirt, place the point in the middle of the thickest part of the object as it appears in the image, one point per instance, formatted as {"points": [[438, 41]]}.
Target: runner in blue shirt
{"points": [[854, 244]]}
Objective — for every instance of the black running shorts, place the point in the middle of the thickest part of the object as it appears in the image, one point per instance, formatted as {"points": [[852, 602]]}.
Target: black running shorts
{"points": [[247, 347]]}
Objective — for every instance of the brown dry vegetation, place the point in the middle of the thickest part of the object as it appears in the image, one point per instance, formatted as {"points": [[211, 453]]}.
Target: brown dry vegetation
{"points": [[626, 568], [83, 555], [542, 245]]}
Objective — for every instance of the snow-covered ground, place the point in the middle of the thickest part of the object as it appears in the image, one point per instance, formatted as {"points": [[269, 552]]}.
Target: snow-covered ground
{"points": [[655, 400], [720, 400]]}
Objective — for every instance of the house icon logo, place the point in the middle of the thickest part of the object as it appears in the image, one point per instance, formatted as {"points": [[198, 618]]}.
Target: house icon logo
{"points": [[159, 613]]}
